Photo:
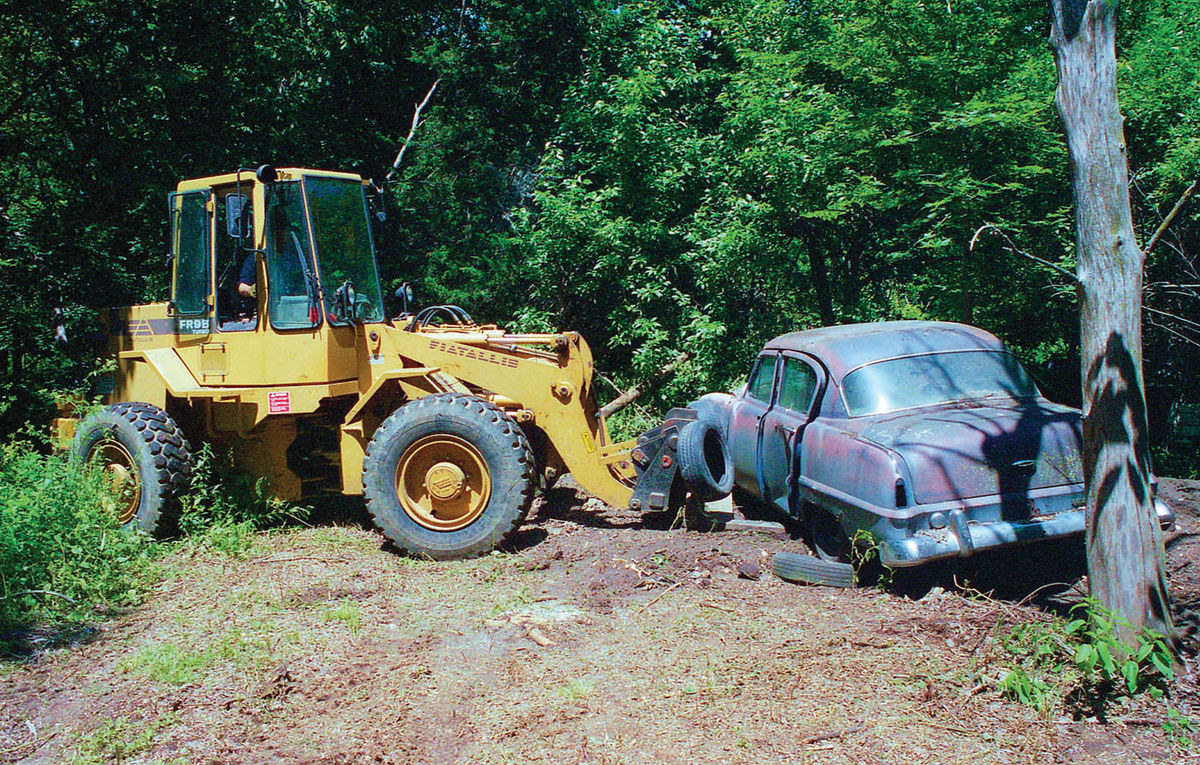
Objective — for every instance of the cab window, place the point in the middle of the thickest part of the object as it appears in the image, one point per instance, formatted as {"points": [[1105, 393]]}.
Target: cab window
{"points": [[291, 280]]}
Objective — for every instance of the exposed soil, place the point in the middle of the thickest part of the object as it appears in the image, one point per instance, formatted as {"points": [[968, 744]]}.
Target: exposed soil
{"points": [[602, 637]]}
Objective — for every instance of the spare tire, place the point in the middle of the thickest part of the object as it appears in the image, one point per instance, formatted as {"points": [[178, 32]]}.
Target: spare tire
{"points": [[704, 460]]}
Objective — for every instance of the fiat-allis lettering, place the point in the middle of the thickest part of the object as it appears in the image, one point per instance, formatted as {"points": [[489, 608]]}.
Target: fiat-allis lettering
{"points": [[275, 343]]}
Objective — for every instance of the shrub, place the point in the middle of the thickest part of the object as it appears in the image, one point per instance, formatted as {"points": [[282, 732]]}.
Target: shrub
{"points": [[225, 506], [62, 551]]}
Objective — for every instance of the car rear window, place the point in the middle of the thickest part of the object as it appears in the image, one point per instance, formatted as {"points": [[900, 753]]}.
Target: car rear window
{"points": [[936, 378]]}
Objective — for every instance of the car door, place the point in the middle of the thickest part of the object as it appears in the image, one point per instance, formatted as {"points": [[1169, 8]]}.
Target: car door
{"points": [[745, 419], [782, 426]]}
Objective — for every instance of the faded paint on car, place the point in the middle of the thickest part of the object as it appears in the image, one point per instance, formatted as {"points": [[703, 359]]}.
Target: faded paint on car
{"points": [[997, 467]]}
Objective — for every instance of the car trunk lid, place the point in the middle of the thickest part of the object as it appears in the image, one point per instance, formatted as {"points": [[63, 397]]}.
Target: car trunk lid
{"points": [[973, 450]]}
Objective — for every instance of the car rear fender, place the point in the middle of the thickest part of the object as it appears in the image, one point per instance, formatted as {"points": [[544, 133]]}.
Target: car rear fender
{"points": [[839, 468]]}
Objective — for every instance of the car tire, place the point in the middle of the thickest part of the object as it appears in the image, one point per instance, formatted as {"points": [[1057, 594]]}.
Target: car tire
{"points": [[806, 569], [448, 476], [825, 536], [705, 463], [145, 456]]}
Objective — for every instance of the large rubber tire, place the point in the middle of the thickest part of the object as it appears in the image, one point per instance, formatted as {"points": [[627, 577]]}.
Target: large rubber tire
{"points": [[705, 463], [448, 476], [809, 570], [146, 457]]}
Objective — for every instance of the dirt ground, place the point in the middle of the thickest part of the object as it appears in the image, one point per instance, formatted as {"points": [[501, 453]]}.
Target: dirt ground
{"points": [[601, 637]]}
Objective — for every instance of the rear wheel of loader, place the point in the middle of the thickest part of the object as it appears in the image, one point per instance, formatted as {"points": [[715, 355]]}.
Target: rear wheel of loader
{"points": [[448, 476], [145, 457]]}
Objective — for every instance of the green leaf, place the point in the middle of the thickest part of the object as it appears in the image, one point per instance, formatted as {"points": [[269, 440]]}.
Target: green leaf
{"points": [[1130, 670]]}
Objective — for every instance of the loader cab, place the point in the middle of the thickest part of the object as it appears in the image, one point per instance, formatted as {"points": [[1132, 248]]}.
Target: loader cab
{"points": [[302, 238]]}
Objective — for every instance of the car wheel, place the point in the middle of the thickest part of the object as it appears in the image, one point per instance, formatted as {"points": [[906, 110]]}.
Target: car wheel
{"points": [[794, 567], [824, 534], [704, 460], [144, 456], [448, 476]]}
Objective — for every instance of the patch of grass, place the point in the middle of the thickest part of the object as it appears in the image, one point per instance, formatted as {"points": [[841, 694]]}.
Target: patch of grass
{"points": [[167, 663], [119, 739], [345, 611], [62, 553], [177, 665], [577, 689]]}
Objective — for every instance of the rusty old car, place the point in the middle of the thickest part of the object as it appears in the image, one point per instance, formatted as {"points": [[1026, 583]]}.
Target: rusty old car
{"points": [[928, 439]]}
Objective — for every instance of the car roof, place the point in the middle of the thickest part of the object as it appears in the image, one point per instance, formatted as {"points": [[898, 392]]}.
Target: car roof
{"points": [[844, 347]]}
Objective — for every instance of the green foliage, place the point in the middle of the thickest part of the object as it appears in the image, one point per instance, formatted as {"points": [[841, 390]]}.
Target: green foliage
{"points": [[1082, 662], [62, 553], [1104, 661], [347, 612], [660, 176], [119, 739], [225, 506], [1180, 729]]}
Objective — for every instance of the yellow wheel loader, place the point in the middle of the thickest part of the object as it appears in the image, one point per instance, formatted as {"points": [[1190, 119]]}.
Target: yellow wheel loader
{"points": [[275, 341]]}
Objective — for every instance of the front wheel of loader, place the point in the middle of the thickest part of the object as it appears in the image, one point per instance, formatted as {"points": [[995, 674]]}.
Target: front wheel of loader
{"points": [[448, 476], [145, 457]]}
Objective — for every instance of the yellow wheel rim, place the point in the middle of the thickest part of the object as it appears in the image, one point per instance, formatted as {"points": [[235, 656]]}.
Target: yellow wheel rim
{"points": [[443, 482], [119, 467]]}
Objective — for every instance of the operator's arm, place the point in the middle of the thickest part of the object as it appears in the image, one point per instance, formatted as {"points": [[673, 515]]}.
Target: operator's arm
{"points": [[248, 277]]}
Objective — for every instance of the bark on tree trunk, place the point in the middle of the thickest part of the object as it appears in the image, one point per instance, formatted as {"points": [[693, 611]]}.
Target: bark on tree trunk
{"points": [[1124, 544], [818, 270]]}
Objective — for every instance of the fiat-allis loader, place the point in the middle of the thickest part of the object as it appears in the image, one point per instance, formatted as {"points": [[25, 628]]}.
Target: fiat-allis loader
{"points": [[275, 342]]}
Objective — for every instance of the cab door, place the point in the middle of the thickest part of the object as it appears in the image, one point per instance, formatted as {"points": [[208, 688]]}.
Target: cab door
{"points": [[782, 428], [191, 262]]}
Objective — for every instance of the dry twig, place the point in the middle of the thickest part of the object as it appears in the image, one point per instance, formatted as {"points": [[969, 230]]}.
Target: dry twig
{"points": [[1162, 227], [416, 120], [660, 597]]}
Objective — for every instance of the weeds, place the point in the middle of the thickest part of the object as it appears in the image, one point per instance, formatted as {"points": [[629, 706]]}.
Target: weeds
{"points": [[63, 555], [1180, 729], [1082, 663], [225, 506], [347, 612], [178, 665], [119, 739]]}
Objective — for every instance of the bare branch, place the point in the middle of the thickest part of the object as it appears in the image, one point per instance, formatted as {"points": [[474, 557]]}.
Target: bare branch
{"points": [[43, 592], [1018, 251], [637, 391], [1171, 330], [412, 131], [1183, 198], [1170, 315]]}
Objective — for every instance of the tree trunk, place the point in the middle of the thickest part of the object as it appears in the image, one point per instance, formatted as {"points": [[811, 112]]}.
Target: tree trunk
{"points": [[818, 269], [1124, 544]]}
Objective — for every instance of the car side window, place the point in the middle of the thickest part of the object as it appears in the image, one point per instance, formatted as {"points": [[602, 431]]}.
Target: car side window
{"points": [[797, 385], [762, 379]]}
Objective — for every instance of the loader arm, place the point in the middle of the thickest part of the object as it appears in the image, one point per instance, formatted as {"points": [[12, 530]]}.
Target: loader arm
{"points": [[546, 379]]}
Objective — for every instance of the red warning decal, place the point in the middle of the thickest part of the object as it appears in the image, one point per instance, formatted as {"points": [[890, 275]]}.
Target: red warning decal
{"points": [[279, 402]]}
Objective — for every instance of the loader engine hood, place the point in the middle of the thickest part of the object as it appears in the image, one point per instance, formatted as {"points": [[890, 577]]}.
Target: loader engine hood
{"points": [[966, 451]]}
